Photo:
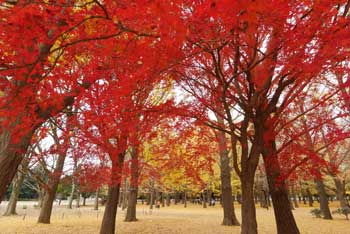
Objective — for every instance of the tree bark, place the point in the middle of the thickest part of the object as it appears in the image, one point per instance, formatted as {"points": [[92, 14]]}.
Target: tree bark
{"points": [[46, 209], [185, 199], [11, 155], [17, 184], [125, 195], [96, 199], [204, 194], [310, 197], [294, 196], [249, 225], [167, 199], [132, 201], [340, 187], [229, 218], [323, 199], [151, 195], [70, 200], [279, 193], [110, 214], [78, 200]]}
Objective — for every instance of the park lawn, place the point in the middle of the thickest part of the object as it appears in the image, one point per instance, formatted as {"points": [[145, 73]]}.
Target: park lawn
{"points": [[168, 220]]}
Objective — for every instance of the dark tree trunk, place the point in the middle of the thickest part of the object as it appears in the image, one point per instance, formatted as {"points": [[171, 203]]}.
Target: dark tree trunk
{"points": [[16, 187], [84, 200], [46, 209], [185, 199], [163, 199], [310, 197], [167, 200], [323, 199], [340, 187], [110, 214], [249, 225], [132, 201], [11, 156], [281, 205], [229, 218], [204, 195]]}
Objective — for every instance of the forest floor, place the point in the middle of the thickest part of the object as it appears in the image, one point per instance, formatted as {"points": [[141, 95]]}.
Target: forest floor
{"points": [[168, 220]]}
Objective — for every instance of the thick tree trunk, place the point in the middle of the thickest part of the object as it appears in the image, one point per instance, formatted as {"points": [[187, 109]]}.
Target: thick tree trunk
{"points": [[110, 214], [281, 205], [323, 199], [17, 184], [229, 218], [46, 209], [132, 201], [96, 199], [11, 155], [131, 209], [340, 187], [249, 225]]}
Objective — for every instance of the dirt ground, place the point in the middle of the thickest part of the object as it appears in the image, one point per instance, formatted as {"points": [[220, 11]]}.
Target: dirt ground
{"points": [[168, 220]]}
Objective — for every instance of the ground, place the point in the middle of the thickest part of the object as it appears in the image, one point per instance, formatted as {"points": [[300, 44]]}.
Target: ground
{"points": [[169, 220]]}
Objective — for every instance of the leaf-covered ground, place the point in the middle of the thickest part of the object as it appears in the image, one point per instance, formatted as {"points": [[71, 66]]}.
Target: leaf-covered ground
{"points": [[168, 220]]}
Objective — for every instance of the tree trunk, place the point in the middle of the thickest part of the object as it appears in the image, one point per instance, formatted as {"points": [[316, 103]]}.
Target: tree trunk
{"points": [[249, 225], [78, 200], [96, 199], [340, 187], [41, 193], [229, 218], [11, 155], [151, 195], [46, 209], [17, 184], [204, 199], [323, 199], [163, 199], [70, 200], [309, 197], [132, 201], [294, 196], [84, 200], [110, 214], [281, 205], [167, 200], [185, 199], [125, 195]]}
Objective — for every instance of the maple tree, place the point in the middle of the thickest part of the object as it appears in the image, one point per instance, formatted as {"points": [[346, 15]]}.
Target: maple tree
{"points": [[254, 65], [251, 69]]}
